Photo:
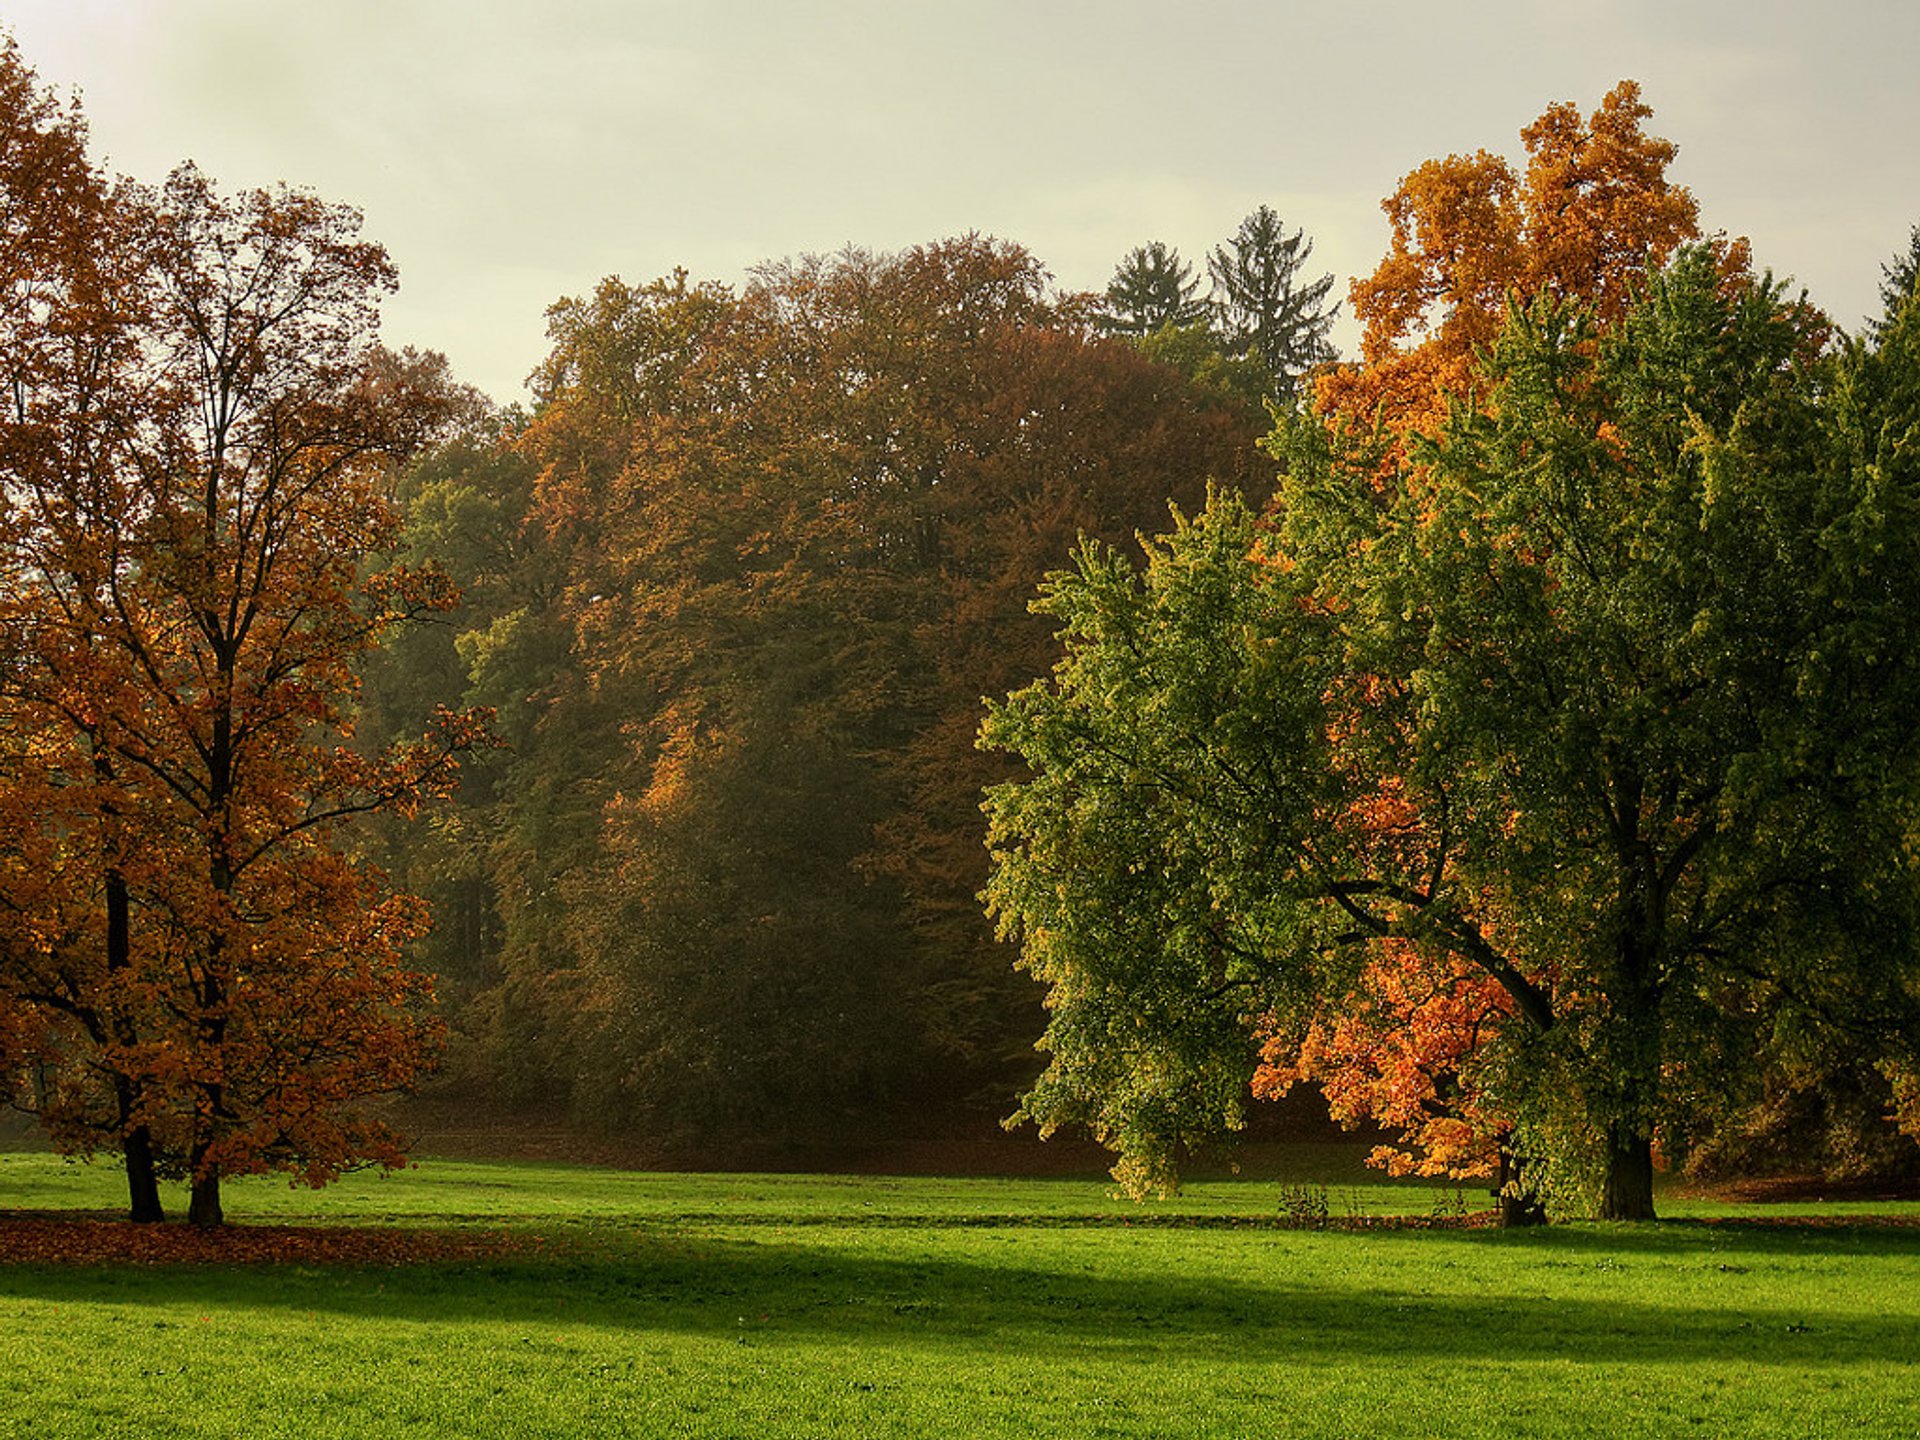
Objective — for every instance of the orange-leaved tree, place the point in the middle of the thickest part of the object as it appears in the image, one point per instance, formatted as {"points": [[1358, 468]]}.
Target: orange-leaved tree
{"points": [[194, 530], [70, 351], [1592, 214]]}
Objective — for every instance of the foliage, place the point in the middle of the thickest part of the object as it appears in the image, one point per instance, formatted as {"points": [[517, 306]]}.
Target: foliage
{"points": [[1588, 720], [757, 556], [194, 502], [1151, 289], [1593, 214], [1195, 351], [1264, 309], [1898, 277], [1256, 334]]}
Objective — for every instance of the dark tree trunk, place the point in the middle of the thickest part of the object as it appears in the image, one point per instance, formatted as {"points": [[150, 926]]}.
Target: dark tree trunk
{"points": [[1518, 1204], [1628, 1191], [204, 1206], [143, 1184], [136, 1144]]}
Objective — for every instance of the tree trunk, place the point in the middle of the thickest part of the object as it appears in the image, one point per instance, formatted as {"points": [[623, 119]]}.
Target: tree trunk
{"points": [[136, 1144], [204, 1207], [1628, 1191], [1519, 1206], [143, 1184]]}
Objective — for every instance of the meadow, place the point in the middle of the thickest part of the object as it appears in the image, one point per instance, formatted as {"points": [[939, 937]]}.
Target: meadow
{"points": [[638, 1304]]}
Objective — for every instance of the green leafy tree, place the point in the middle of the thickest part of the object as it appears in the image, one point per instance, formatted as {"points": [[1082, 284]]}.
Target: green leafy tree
{"points": [[1266, 307], [1898, 278], [1194, 350], [1600, 702]]}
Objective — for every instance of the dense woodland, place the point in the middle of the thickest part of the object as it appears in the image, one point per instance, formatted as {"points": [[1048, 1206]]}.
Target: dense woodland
{"points": [[1512, 734]]}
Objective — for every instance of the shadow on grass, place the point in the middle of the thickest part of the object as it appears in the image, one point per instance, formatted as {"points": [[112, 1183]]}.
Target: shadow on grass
{"points": [[770, 1293]]}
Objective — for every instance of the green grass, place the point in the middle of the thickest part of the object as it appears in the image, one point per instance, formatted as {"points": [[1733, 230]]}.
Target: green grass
{"points": [[772, 1305]]}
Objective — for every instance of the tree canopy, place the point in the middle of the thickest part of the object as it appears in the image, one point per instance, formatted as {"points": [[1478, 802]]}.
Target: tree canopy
{"points": [[775, 544], [199, 429], [1579, 744], [1590, 216], [1152, 289]]}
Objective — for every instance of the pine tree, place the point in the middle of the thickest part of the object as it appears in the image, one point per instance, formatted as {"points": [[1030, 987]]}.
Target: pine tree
{"points": [[1152, 289], [1897, 279], [1263, 309]]}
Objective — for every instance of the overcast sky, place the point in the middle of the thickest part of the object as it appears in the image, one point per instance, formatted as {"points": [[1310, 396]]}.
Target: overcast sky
{"points": [[511, 153]]}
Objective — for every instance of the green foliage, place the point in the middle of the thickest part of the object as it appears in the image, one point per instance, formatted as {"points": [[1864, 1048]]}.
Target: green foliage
{"points": [[1195, 351], [1604, 696], [1256, 333], [1898, 277], [1148, 869]]}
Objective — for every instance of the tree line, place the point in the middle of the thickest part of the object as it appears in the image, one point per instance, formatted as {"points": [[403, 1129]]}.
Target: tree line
{"points": [[1508, 730], [735, 589]]}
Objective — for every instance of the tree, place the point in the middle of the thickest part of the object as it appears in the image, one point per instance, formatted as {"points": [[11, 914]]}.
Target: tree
{"points": [[778, 543], [1898, 278], [1151, 289], [1264, 310], [193, 522], [1591, 216], [65, 342], [1569, 725]]}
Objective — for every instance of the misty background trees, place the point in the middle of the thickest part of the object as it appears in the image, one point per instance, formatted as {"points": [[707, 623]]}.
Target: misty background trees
{"points": [[735, 590]]}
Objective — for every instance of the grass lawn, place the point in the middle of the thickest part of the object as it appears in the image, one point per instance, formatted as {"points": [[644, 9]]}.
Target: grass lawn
{"points": [[774, 1305]]}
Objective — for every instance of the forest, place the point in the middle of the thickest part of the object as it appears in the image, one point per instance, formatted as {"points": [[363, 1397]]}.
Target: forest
{"points": [[830, 686]]}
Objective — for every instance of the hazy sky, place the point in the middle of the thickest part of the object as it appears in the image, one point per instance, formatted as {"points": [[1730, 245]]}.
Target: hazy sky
{"points": [[511, 153]]}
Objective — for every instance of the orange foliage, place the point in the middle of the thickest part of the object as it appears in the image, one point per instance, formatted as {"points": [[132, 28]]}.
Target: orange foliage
{"points": [[1593, 213], [198, 454], [1399, 1053]]}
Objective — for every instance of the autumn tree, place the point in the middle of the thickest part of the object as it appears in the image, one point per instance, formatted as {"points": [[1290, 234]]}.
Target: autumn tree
{"points": [[780, 541], [1570, 737], [1591, 215], [1265, 307], [194, 521], [67, 344]]}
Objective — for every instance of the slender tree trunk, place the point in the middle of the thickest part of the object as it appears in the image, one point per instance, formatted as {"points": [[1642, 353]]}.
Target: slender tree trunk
{"points": [[203, 1204], [1628, 1191], [136, 1141]]}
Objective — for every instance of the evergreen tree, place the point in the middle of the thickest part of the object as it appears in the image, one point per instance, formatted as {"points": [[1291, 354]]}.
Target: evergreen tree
{"points": [[1897, 279], [1152, 288], [1263, 309]]}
